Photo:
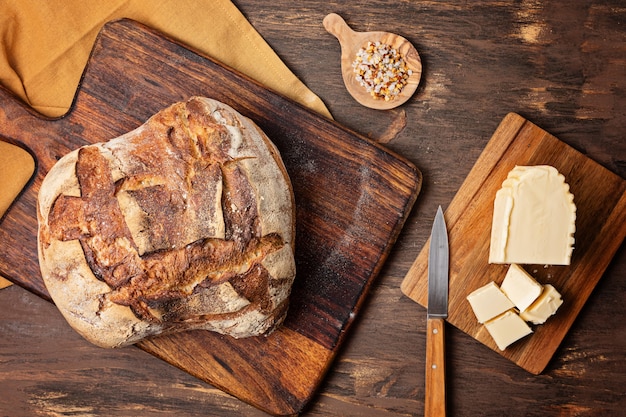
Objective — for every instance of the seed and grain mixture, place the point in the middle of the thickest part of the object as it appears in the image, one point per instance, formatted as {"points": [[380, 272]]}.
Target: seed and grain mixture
{"points": [[382, 70]]}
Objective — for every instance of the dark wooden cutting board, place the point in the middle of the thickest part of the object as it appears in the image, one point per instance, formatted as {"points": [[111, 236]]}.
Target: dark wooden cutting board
{"points": [[352, 199], [600, 198]]}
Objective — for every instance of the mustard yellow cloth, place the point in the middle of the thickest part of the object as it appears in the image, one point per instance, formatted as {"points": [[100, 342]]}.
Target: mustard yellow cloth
{"points": [[44, 46]]}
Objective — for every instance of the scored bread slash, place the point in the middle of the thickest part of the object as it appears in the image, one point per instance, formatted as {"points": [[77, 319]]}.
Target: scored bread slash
{"points": [[186, 222]]}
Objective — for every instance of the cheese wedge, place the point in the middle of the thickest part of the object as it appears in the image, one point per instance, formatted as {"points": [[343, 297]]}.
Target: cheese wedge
{"points": [[534, 218], [545, 306], [520, 288], [507, 328], [488, 302]]}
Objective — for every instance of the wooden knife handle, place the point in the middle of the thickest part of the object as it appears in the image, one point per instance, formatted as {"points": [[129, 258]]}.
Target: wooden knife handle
{"points": [[435, 401]]}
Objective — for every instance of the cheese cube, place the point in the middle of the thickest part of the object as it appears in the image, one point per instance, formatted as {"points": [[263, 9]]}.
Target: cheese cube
{"points": [[520, 287], [545, 306], [534, 218], [488, 301], [507, 328]]}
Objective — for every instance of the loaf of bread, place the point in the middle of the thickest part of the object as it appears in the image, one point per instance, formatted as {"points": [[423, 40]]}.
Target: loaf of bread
{"points": [[186, 222]]}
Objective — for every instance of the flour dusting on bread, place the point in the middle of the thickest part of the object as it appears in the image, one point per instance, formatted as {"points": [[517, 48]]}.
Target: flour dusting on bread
{"points": [[186, 222]]}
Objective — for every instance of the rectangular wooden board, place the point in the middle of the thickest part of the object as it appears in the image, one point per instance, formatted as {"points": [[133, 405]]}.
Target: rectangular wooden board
{"points": [[352, 198], [600, 199]]}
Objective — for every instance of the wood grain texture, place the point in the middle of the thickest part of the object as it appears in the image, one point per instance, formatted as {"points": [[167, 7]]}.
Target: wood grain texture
{"points": [[351, 42], [600, 198], [351, 195], [558, 64], [435, 389]]}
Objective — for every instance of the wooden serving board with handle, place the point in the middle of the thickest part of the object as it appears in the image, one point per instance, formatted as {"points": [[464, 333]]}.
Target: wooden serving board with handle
{"points": [[600, 200], [352, 198]]}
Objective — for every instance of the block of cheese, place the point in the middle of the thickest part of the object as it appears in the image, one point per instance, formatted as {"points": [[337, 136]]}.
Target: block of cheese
{"points": [[534, 218], [520, 288], [507, 328], [488, 302], [545, 306]]}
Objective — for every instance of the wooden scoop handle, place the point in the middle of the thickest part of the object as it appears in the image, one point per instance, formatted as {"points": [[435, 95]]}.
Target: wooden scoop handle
{"points": [[351, 41], [336, 26]]}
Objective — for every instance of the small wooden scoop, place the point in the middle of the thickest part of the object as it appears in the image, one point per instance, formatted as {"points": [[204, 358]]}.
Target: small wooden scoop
{"points": [[352, 41]]}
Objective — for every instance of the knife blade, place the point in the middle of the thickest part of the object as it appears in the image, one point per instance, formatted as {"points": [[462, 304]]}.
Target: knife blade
{"points": [[438, 259]]}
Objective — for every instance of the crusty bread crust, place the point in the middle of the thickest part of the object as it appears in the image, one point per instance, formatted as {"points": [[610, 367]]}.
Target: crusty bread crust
{"points": [[187, 222]]}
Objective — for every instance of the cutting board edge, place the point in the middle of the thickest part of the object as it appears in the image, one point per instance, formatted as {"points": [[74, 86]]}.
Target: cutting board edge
{"points": [[418, 269], [408, 284], [416, 184]]}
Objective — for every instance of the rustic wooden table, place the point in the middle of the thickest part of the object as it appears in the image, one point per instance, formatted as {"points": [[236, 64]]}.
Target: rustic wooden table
{"points": [[562, 65]]}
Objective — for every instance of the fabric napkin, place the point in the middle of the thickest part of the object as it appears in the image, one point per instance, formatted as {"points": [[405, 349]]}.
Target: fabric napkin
{"points": [[16, 168], [44, 46]]}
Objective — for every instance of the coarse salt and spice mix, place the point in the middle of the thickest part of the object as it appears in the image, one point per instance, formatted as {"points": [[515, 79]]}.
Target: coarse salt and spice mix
{"points": [[382, 70]]}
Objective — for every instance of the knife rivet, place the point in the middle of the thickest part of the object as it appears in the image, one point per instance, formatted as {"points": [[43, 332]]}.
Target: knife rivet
{"points": [[435, 331], [434, 366]]}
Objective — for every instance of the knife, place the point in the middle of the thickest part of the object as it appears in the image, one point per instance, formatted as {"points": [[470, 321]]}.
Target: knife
{"points": [[438, 258]]}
